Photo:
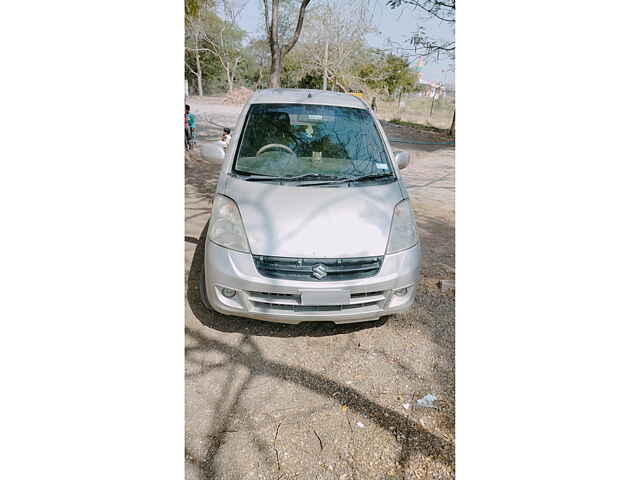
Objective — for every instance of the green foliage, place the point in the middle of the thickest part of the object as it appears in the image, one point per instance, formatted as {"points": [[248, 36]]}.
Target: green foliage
{"points": [[387, 73], [376, 70], [311, 80], [291, 72], [215, 26], [193, 7], [219, 43], [255, 72]]}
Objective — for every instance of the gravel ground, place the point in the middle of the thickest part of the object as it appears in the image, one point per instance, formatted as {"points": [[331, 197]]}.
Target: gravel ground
{"points": [[320, 401]]}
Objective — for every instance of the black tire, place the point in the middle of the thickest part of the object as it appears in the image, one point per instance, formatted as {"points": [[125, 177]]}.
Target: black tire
{"points": [[203, 291]]}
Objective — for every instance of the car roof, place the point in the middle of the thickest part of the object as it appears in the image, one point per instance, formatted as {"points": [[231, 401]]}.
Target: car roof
{"points": [[306, 96]]}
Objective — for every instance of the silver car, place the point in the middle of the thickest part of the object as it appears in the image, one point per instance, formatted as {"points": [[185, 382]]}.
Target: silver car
{"points": [[310, 221]]}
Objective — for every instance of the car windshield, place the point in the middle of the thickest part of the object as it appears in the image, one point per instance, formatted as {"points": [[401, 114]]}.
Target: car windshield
{"points": [[289, 140]]}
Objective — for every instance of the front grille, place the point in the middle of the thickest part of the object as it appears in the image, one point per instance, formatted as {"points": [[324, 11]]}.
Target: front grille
{"points": [[265, 306], [360, 302], [337, 269], [366, 294]]}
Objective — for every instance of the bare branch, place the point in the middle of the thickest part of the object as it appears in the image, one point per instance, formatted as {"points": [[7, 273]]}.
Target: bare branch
{"points": [[442, 10], [266, 19], [200, 49], [273, 37], [190, 69], [303, 7], [232, 12]]}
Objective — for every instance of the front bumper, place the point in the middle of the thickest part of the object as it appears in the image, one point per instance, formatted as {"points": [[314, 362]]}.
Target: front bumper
{"points": [[278, 300]]}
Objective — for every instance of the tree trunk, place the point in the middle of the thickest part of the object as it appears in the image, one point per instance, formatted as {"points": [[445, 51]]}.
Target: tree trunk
{"points": [[198, 69], [278, 51], [229, 79], [199, 80], [276, 69], [433, 101], [326, 61], [234, 70], [335, 81], [452, 128]]}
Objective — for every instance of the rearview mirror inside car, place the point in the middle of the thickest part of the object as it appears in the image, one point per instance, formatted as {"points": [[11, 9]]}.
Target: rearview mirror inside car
{"points": [[402, 159]]}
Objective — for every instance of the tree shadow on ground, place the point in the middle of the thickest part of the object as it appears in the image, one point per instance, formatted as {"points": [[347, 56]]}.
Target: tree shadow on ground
{"points": [[410, 435]]}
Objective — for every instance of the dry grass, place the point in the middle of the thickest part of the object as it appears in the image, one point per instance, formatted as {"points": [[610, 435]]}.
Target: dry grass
{"points": [[417, 110]]}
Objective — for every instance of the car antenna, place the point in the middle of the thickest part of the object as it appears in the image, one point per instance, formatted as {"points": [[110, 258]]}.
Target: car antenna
{"points": [[309, 95]]}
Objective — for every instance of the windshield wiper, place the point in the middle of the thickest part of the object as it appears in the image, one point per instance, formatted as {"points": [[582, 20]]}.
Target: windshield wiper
{"points": [[373, 176], [319, 176], [262, 178], [350, 179]]}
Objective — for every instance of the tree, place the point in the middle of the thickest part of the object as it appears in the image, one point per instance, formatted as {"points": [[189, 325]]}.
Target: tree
{"points": [[223, 39], [219, 38], [193, 7], [387, 73], [258, 62], [334, 39], [206, 64], [278, 45], [422, 42], [194, 10]]}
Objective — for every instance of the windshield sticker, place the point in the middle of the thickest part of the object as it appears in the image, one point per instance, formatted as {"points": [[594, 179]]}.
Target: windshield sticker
{"points": [[382, 166]]}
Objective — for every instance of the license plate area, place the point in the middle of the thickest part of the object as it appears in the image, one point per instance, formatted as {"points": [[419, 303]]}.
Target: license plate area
{"points": [[325, 297]]}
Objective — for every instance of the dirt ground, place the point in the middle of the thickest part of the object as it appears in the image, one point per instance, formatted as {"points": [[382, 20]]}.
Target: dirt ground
{"points": [[316, 400]]}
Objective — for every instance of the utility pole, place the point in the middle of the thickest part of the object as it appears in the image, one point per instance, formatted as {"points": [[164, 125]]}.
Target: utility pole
{"points": [[326, 62], [325, 24]]}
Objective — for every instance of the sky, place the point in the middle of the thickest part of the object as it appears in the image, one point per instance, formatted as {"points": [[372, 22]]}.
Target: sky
{"points": [[394, 25]]}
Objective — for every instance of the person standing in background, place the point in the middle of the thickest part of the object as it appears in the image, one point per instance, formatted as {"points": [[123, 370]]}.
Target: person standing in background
{"points": [[189, 122], [226, 137]]}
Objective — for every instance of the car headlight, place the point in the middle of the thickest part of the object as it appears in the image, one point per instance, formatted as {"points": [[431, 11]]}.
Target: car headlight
{"points": [[226, 227], [403, 228]]}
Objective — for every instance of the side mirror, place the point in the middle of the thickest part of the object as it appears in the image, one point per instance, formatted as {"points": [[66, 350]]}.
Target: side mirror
{"points": [[402, 159], [214, 152]]}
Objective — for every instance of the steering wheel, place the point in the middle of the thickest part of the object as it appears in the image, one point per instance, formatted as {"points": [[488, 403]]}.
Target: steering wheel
{"points": [[275, 145]]}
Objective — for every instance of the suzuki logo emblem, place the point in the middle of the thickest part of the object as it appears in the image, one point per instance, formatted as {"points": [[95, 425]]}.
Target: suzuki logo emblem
{"points": [[319, 271]]}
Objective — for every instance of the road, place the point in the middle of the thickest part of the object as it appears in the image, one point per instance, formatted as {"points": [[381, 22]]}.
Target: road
{"points": [[320, 401]]}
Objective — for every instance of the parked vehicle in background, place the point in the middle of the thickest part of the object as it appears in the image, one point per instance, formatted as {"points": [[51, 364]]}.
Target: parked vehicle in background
{"points": [[310, 220]]}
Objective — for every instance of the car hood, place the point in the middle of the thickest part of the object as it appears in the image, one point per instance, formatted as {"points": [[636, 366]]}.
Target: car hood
{"points": [[315, 222]]}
